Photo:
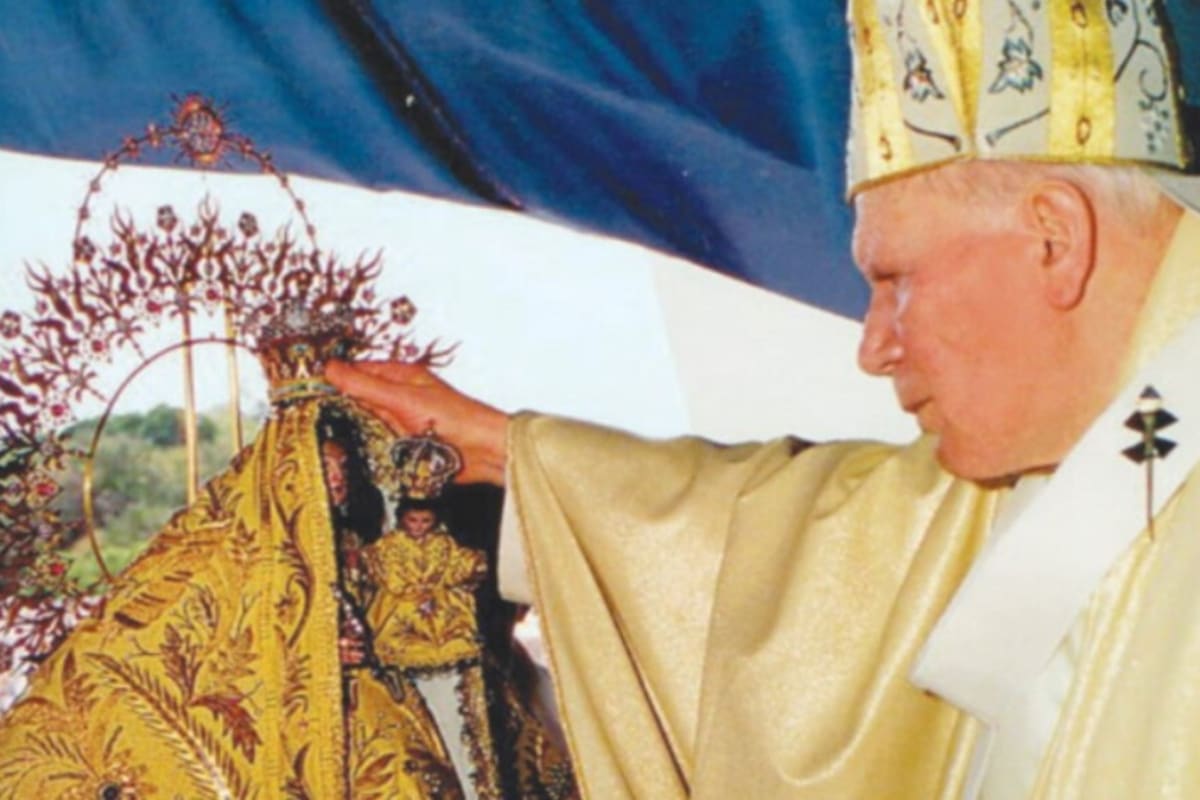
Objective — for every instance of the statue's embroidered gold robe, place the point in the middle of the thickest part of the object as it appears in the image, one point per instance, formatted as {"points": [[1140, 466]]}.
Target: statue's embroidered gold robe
{"points": [[422, 614], [213, 669], [740, 622]]}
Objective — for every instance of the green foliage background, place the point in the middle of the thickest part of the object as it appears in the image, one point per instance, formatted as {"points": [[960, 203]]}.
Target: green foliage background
{"points": [[140, 478]]}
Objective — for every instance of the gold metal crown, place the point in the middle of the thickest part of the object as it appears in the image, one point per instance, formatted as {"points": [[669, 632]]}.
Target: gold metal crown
{"points": [[424, 465], [1076, 81], [298, 343]]}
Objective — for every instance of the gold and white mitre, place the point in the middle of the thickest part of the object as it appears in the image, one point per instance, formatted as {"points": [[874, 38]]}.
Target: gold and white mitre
{"points": [[1073, 81]]}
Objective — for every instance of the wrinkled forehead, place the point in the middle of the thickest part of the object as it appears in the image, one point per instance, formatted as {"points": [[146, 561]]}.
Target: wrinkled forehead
{"points": [[887, 215], [900, 217]]}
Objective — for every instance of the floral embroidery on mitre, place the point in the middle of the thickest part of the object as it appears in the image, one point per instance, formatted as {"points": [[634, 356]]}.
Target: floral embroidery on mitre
{"points": [[1021, 79], [1017, 68]]}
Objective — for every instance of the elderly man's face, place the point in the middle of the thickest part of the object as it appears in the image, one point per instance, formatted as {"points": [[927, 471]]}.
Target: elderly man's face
{"points": [[955, 320]]}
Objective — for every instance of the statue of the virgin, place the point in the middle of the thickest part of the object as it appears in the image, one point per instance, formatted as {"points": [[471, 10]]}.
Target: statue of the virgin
{"points": [[320, 620]]}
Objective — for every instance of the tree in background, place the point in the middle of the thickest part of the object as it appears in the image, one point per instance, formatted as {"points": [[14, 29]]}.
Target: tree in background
{"points": [[140, 479]]}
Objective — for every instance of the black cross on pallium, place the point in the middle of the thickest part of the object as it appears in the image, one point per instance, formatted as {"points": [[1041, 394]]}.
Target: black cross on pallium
{"points": [[1148, 420]]}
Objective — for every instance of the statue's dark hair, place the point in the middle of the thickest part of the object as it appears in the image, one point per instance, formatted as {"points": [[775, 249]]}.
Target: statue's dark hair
{"points": [[364, 508], [437, 505]]}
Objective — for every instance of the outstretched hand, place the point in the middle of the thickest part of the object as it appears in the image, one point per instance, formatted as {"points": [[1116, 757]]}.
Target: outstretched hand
{"points": [[411, 399]]}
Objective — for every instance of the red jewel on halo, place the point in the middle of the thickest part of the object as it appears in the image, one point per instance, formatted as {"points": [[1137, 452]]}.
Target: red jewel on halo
{"points": [[403, 310], [84, 249], [10, 324], [166, 218], [247, 224]]}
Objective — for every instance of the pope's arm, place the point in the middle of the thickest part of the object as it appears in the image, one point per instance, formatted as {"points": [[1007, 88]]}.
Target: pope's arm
{"points": [[624, 541], [621, 540]]}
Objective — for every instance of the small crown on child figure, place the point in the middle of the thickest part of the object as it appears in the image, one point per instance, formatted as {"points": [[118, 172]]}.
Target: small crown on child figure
{"points": [[424, 465]]}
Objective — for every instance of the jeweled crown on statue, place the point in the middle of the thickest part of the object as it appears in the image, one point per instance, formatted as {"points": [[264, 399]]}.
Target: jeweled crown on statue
{"points": [[295, 346]]}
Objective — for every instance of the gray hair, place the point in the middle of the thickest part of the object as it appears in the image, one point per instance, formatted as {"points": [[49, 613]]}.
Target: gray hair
{"points": [[1124, 190]]}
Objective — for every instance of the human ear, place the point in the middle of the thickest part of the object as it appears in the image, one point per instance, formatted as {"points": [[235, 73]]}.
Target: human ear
{"points": [[1063, 220]]}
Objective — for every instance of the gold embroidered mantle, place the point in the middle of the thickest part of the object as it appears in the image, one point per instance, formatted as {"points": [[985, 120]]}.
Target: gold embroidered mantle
{"points": [[213, 668], [212, 671]]}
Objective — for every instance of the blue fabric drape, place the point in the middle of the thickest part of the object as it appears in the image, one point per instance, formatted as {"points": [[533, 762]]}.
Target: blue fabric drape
{"points": [[713, 130]]}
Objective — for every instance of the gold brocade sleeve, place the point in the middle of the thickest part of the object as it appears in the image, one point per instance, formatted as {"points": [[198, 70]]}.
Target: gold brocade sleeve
{"points": [[739, 622]]}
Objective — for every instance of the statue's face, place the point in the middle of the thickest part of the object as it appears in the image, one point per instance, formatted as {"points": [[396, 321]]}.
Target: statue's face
{"points": [[958, 323], [417, 522], [333, 460]]}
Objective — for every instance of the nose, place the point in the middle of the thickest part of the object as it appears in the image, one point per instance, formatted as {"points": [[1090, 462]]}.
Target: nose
{"points": [[880, 348]]}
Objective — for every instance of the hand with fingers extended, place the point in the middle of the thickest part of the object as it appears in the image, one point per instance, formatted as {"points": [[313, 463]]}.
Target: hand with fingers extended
{"points": [[411, 399]]}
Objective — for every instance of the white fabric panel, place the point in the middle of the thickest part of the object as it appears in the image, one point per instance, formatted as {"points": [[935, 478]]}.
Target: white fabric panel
{"points": [[547, 317]]}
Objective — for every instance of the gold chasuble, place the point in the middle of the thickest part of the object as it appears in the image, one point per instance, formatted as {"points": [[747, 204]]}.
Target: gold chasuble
{"points": [[741, 622]]}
